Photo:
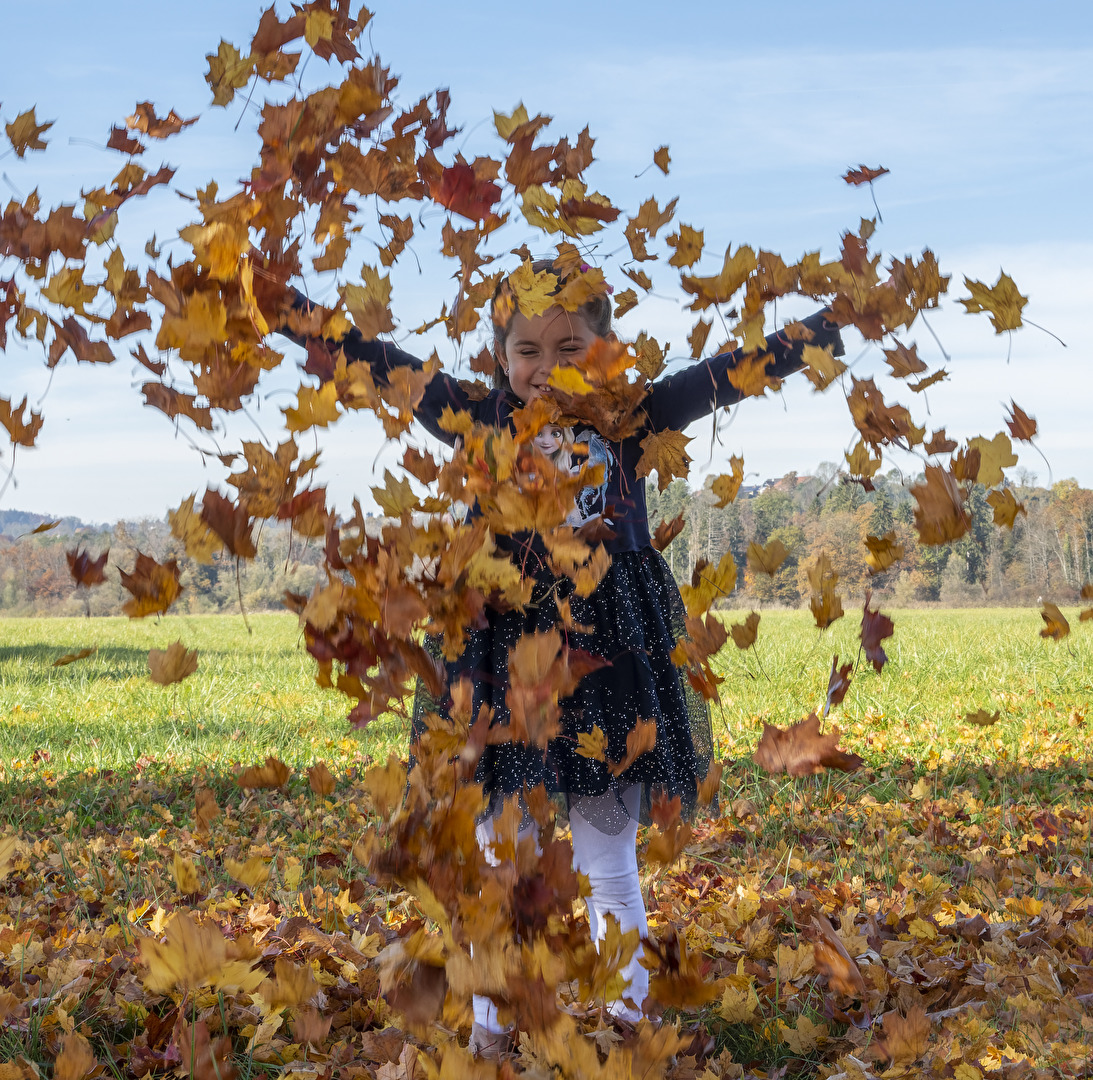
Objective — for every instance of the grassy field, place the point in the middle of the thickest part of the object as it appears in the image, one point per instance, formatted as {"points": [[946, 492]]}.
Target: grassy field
{"points": [[255, 694], [956, 864]]}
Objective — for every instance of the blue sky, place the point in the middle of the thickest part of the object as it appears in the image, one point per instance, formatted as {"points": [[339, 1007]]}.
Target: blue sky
{"points": [[981, 111]]}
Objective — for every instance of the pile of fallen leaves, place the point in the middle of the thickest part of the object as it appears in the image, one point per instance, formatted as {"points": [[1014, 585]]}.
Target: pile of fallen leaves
{"points": [[217, 927]]}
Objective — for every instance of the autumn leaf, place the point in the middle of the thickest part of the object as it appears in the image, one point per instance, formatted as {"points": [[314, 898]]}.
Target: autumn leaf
{"points": [[171, 665], [766, 559], [200, 542], [864, 174], [205, 810], [727, 485], [904, 361], [720, 288], [641, 739], [591, 744], [882, 552], [821, 366], [144, 119], [185, 875], [801, 749], [315, 407], [1005, 507], [1055, 625], [994, 455], [661, 159], [85, 570], [861, 463], [688, 244], [154, 586], [745, 633], [939, 508], [826, 606], [320, 779], [22, 431], [25, 133], [708, 584], [837, 684], [253, 873], [982, 718], [72, 657], [875, 627], [76, 1059], [667, 531], [1001, 300], [666, 453], [231, 523], [1021, 425], [228, 72], [273, 774], [196, 955], [905, 1038]]}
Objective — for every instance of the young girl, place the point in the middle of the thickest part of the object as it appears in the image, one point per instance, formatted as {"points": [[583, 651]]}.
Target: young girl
{"points": [[633, 618]]}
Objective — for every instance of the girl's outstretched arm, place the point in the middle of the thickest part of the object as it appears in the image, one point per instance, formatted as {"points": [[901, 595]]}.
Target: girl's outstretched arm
{"points": [[696, 391], [383, 358]]}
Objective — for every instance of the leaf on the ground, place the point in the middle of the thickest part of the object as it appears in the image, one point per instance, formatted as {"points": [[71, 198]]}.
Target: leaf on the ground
{"points": [[802, 749], [905, 1038], [72, 657], [1055, 624], [766, 558], [745, 633], [171, 665], [252, 873], [272, 774]]}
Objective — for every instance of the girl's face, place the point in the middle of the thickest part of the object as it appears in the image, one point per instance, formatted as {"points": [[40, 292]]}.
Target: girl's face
{"points": [[549, 439], [533, 347]]}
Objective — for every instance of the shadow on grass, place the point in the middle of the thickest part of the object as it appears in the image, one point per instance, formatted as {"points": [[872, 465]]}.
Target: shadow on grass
{"points": [[112, 662]]}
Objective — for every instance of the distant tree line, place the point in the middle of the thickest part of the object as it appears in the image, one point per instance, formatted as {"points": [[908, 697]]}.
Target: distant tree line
{"points": [[1047, 555]]}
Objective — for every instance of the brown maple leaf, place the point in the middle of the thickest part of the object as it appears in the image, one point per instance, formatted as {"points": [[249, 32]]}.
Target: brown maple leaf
{"points": [[21, 430], [864, 174], [230, 522], [745, 633], [273, 774], [1055, 625], [665, 453], [939, 508], [837, 684], [801, 749], [155, 586], [875, 627], [1021, 425], [1002, 301], [171, 665], [832, 959], [667, 531], [144, 119], [85, 570], [766, 559], [25, 133]]}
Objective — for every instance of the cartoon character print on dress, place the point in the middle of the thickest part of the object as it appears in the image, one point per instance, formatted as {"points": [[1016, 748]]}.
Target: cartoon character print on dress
{"points": [[591, 501]]}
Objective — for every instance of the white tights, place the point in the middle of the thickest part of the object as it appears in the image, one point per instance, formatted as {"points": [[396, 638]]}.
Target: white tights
{"points": [[610, 862]]}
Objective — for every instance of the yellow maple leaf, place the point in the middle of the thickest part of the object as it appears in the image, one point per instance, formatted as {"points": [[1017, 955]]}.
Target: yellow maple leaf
{"points": [[253, 873], [187, 525], [591, 744], [185, 874], [860, 462], [666, 453], [1005, 507], [1002, 300], [396, 497], [708, 584], [314, 408], [994, 455], [805, 1037], [570, 381], [727, 485], [370, 303], [25, 133], [821, 366]]}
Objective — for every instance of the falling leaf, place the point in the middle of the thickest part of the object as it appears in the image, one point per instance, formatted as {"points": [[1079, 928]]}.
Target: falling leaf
{"points": [[1001, 300], [85, 570], [205, 810], [727, 485], [71, 658], [939, 511], [253, 873], [320, 779], [22, 431], [591, 744], [745, 633], [155, 586], [801, 749], [826, 606], [994, 455], [833, 961], [982, 718], [882, 552], [76, 1059], [837, 684], [171, 665], [864, 174], [667, 531], [1055, 624], [642, 738], [1005, 507], [665, 452], [185, 875], [821, 367], [905, 1037], [273, 774], [766, 559], [25, 133], [1021, 425], [661, 159], [875, 627]]}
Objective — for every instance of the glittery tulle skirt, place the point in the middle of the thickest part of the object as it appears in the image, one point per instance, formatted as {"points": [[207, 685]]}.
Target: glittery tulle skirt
{"points": [[634, 618]]}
